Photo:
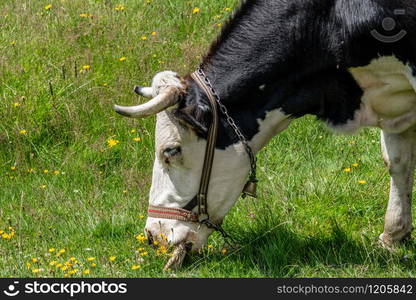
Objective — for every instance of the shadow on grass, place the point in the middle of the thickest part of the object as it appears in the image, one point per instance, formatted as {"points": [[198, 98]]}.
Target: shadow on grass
{"points": [[284, 253]]}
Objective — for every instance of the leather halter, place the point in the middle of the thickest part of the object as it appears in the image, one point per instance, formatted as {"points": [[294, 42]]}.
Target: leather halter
{"points": [[186, 214]]}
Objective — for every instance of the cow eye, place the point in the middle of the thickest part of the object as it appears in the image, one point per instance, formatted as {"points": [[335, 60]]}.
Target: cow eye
{"points": [[171, 152]]}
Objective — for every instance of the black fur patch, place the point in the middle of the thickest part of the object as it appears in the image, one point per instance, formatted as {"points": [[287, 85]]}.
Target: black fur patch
{"points": [[301, 51]]}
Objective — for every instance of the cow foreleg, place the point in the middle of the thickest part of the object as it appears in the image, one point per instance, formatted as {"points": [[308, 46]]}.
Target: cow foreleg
{"points": [[399, 154]]}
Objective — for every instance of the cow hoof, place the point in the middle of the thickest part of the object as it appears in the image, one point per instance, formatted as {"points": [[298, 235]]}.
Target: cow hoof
{"points": [[387, 242]]}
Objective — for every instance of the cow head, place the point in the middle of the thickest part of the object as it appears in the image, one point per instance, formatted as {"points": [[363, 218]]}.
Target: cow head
{"points": [[180, 148]]}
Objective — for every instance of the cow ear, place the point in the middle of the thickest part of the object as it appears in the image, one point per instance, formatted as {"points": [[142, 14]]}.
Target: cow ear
{"points": [[195, 116]]}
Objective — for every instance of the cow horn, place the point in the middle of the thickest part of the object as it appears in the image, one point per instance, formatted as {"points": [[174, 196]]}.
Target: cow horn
{"points": [[165, 99]]}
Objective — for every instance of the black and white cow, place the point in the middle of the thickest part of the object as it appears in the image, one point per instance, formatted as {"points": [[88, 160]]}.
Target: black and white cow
{"points": [[351, 63]]}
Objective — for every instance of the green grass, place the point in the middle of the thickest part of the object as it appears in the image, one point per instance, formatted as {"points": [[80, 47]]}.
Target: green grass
{"points": [[311, 218]]}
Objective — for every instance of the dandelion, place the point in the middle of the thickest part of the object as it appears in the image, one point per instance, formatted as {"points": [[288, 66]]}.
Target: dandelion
{"points": [[62, 251], [135, 267], [227, 9], [90, 258], [210, 247], [64, 268], [31, 171], [155, 243], [46, 171], [196, 10], [86, 272], [53, 263], [13, 168], [133, 131], [48, 7], [362, 182], [137, 139], [355, 165], [23, 131], [56, 172], [28, 265], [224, 251], [219, 24], [43, 186], [145, 253], [141, 238], [93, 265], [13, 43], [154, 33], [72, 258], [86, 67], [51, 250], [141, 217], [17, 104], [35, 260], [119, 7], [34, 271], [112, 258], [347, 170], [85, 15], [351, 142], [125, 191], [112, 143], [143, 38]]}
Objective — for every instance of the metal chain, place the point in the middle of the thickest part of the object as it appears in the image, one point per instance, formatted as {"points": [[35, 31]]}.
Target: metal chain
{"points": [[232, 124]]}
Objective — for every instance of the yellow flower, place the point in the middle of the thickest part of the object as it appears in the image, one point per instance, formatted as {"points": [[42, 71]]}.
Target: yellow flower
{"points": [[13, 43], [137, 139], [362, 182], [23, 131], [112, 258], [155, 243], [355, 165], [56, 172], [62, 251], [123, 58], [36, 270], [85, 15], [227, 9], [52, 263], [224, 251], [133, 131], [16, 104], [72, 258], [72, 272], [196, 10], [58, 265], [46, 171], [93, 265], [154, 33], [43, 186], [141, 217], [64, 268], [145, 253], [119, 7], [86, 272], [143, 38], [140, 249], [219, 24], [51, 250], [135, 267], [34, 260], [125, 191], [141, 238], [210, 247], [347, 170], [13, 168], [48, 7], [112, 143], [86, 67], [31, 171], [90, 258]]}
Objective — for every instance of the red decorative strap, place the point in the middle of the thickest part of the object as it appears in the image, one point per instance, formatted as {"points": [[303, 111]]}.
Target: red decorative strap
{"points": [[172, 214]]}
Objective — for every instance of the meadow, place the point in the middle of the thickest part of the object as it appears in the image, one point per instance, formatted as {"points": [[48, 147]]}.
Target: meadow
{"points": [[74, 176]]}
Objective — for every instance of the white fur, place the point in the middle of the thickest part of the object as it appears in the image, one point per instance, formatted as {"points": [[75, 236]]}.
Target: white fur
{"points": [[174, 185], [389, 98]]}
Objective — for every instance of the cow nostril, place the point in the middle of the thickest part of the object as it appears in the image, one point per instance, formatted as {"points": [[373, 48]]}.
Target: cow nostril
{"points": [[149, 237]]}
